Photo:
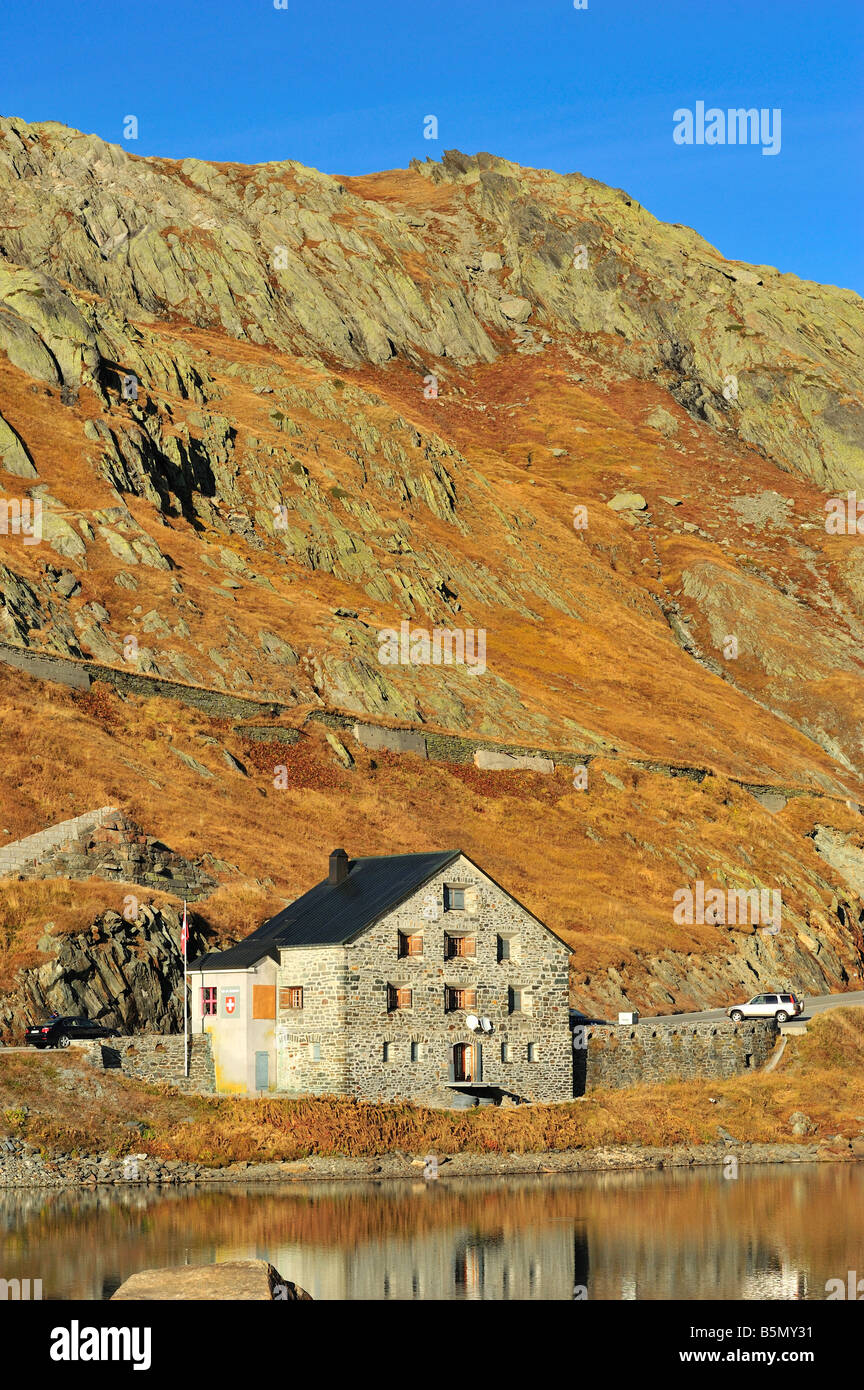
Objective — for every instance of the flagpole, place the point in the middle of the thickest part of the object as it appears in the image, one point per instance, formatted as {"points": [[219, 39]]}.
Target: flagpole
{"points": [[185, 1004]]}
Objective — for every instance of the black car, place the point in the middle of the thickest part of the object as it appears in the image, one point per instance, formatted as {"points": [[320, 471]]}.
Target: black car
{"points": [[59, 1032]]}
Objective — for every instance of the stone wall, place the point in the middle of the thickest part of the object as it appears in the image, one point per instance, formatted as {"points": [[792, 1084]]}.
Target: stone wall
{"points": [[45, 666], [158, 1057], [104, 844], [80, 673], [322, 971], [426, 743], [616, 1056], [20, 855]]}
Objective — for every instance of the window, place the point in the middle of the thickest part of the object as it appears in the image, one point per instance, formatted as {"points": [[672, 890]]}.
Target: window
{"points": [[459, 946], [503, 948], [506, 1054], [291, 997], [386, 1052], [533, 1052], [263, 1001], [398, 998], [410, 944], [520, 1001], [455, 998], [454, 899], [208, 1001], [416, 1052], [314, 1052]]}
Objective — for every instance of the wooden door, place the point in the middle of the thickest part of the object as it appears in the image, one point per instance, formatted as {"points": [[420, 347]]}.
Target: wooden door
{"points": [[463, 1062]]}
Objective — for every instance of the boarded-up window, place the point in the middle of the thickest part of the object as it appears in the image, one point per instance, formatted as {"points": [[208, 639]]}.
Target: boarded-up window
{"points": [[263, 1001], [291, 997]]}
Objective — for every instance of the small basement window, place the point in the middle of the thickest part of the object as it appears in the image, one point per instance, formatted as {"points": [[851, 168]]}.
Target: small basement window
{"points": [[314, 1052], [410, 944], [208, 1001], [387, 1052], [506, 1052], [416, 1052], [533, 1052], [454, 899]]}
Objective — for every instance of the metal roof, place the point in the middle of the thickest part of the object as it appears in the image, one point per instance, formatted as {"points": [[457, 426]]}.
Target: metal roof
{"points": [[332, 913]]}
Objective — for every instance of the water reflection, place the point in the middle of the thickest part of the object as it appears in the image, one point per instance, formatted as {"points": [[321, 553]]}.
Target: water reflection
{"points": [[774, 1233]]}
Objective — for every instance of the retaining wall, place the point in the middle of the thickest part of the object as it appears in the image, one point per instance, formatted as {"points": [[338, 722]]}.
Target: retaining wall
{"points": [[159, 1057], [614, 1056]]}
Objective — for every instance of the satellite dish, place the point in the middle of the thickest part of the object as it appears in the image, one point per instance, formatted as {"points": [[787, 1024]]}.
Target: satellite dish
{"points": [[486, 1025], [473, 1021]]}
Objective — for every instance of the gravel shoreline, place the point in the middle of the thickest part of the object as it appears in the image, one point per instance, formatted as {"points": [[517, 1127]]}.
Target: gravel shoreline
{"points": [[23, 1166]]}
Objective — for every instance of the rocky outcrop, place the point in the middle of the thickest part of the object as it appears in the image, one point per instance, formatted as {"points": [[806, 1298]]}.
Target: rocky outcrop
{"points": [[125, 974], [104, 844]]}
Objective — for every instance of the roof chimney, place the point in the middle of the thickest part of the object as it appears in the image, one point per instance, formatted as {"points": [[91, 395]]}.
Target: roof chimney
{"points": [[338, 866]]}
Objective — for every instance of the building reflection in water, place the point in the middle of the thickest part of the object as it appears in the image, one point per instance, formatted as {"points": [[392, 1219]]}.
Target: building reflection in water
{"points": [[775, 1233]]}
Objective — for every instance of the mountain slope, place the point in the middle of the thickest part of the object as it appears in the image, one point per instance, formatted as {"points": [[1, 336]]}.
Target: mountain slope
{"points": [[287, 485]]}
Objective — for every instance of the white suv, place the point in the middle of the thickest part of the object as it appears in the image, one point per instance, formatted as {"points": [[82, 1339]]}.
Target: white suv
{"points": [[779, 1006]]}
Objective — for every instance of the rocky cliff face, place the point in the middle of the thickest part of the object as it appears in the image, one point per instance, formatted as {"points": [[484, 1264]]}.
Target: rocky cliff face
{"points": [[124, 974], [266, 414]]}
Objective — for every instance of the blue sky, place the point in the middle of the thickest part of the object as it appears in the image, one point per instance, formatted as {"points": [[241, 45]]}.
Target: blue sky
{"points": [[344, 85]]}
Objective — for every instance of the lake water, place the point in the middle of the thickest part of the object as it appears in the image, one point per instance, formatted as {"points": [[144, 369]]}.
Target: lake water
{"points": [[775, 1232]]}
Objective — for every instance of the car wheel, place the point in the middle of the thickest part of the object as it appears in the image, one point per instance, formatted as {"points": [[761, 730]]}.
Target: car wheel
{"points": [[781, 1016], [63, 1040], [736, 1015]]}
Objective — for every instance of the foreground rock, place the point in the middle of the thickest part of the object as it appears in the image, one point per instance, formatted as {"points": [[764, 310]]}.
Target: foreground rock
{"points": [[254, 1280]]}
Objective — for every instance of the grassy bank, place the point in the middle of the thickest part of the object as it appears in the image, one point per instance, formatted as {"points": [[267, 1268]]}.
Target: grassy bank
{"points": [[60, 1103]]}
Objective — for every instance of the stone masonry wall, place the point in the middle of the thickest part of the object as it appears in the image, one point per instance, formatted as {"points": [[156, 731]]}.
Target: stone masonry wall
{"points": [[345, 1003], [540, 962], [159, 1057], [322, 973], [617, 1056]]}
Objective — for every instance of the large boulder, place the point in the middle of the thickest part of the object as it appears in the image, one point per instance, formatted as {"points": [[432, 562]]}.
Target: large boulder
{"points": [[254, 1280]]}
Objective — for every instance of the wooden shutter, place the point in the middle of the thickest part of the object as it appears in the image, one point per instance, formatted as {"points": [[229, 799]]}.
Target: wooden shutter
{"points": [[263, 1002]]}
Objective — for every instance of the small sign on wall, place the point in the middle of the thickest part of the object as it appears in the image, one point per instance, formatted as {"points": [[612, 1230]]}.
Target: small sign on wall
{"points": [[230, 1003]]}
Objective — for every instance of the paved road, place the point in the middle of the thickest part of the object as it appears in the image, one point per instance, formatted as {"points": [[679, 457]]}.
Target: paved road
{"points": [[815, 1004]]}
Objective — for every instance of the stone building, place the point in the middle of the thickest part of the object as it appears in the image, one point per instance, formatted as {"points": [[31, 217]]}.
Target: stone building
{"points": [[407, 976]]}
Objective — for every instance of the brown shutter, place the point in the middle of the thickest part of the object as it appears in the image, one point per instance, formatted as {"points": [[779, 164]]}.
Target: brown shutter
{"points": [[263, 1001]]}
